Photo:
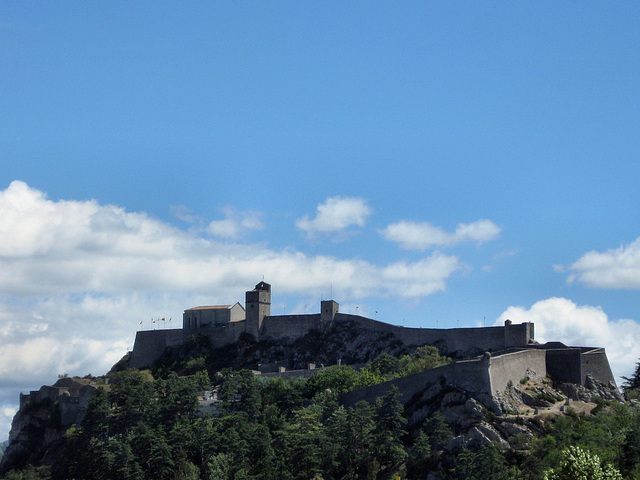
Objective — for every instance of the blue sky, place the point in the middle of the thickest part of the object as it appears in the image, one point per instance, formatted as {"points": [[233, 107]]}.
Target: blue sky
{"points": [[440, 164]]}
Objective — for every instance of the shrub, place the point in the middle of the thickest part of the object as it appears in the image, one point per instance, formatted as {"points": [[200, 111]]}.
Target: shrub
{"points": [[579, 464]]}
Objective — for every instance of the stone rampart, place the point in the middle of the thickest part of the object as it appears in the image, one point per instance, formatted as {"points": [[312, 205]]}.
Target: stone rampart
{"points": [[483, 375], [594, 362], [492, 374], [564, 365], [71, 396], [150, 344], [454, 341], [469, 375], [513, 367], [221, 336], [291, 327]]}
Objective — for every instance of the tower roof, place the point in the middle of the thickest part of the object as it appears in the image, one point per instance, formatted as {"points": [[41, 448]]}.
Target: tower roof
{"points": [[210, 307]]}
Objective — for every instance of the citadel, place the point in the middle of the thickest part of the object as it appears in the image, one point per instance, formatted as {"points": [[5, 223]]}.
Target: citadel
{"points": [[487, 358], [489, 367], [224, 324]]}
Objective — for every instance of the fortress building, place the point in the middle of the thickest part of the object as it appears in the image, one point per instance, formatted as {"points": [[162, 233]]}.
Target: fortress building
{"points": [[215, 316], [249, 319], [489, 363], [224, 324]]}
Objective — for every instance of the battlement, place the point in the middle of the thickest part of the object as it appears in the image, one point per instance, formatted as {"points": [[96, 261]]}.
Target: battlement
{"points": [[224, 324]]}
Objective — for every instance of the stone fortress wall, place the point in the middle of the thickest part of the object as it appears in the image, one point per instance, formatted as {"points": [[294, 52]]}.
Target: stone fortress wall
{"points": [[259, 323], [149, 344], [515, 342], [71, 394], [490, 375], [470, 375]]}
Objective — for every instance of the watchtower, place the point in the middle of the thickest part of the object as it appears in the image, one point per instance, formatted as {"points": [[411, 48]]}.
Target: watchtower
{"points": [[518, 335], [257, 306], [328, 310]]}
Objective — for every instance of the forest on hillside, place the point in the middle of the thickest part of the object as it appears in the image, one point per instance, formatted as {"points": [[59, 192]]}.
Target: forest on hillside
{"points": [[143, 426]]}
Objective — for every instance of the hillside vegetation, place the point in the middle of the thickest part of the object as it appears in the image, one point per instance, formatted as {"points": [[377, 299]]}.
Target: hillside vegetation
{"points": [[150, 425]]}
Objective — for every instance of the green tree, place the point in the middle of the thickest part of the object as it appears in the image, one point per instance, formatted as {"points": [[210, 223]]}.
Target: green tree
{"points": [[95, 422], [28, 473], [486, 463], [631, 386], [424, 358], [307, 442], [386, 365], [132, 400], [177, 398], [337, 378], [579, 464], [240, 391], [438, 431], [358, 457], [630, 455], [389, 428], [285, 395], [218, 467]]}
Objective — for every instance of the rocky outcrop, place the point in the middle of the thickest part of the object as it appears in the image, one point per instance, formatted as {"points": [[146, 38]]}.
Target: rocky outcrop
{"points": [[511, 418], [44, 417], [591, 391], [34, 428]]}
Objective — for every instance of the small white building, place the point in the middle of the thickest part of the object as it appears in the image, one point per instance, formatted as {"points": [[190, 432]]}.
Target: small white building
{"points": [[216, 315]]}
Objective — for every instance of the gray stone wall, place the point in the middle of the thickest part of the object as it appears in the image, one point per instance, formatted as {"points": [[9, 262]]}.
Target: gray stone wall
{"points": [[454, 341], [469, 375], [594, 362], [222, 336], [150, 344], [289, 326], [565, 365], [460, 342], [72, 398], [483, 375], [512, 367], [517, 335]]}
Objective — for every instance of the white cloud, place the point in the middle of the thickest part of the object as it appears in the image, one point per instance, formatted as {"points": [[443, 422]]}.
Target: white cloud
{"points": [[59, 248], [42, 338], [617, 268], [235, 224], [560, 319], [6, 416], [423, 235], [336, 214], [182, 212]]}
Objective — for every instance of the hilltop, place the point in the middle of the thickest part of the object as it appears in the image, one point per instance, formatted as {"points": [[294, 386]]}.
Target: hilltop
{"points": [[279, 402], [433, 427]]}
